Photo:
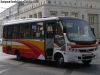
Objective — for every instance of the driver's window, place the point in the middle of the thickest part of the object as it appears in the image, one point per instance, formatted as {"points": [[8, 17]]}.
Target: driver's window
{"points": [[59, 38]]}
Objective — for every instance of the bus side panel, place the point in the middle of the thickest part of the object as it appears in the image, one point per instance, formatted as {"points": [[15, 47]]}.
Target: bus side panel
{"points": [[29, 48], [4, 46]]}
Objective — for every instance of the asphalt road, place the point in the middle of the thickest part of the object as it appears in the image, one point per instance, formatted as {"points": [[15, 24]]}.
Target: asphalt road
{"points": [[10, 66]]}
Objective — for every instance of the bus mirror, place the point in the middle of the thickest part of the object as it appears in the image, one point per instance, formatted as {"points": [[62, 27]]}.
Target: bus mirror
{"points": [[64, 30]]}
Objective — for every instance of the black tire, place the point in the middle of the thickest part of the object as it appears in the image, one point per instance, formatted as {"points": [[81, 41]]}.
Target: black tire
{"points": [[60, 61], [18, 55], [86, 62]]}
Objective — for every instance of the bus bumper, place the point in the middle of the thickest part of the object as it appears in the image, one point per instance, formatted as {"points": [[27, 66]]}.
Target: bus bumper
{"points": [[75, 56]]}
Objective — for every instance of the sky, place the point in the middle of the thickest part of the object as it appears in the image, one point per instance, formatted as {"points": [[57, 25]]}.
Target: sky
{"points": [[4, 6]]}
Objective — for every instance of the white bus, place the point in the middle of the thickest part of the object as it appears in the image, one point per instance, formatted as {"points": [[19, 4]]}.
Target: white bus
{"points": [[60, 39]]}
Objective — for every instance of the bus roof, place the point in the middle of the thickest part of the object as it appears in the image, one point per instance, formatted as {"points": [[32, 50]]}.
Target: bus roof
{"points": [[28, 20]]}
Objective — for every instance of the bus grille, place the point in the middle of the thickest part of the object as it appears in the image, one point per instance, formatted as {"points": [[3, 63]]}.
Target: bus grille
{"points": [[87, 50]]}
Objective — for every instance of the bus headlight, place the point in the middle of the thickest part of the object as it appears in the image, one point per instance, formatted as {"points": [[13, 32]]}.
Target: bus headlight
{"points": [[76, 50]]}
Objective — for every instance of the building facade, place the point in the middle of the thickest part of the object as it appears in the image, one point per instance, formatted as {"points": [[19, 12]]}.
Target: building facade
{"points": [[88, 10]]}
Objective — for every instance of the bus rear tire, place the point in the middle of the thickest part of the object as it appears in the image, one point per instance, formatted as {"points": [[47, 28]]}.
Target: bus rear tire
{"points": [[19, 57], [60, 61], [86, 62]]}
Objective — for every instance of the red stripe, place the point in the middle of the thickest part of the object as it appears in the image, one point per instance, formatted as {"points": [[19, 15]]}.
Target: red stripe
{"points": [[35, 51], [83, 46]]}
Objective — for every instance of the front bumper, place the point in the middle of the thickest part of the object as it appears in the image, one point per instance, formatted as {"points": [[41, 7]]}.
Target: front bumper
{"points": [[77, 56]]}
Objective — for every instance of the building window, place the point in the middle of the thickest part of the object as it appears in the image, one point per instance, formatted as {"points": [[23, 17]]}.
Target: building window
{"points": [[74, 14], [86, 5], [82, 16], [91, 19], [81, 4], [49, 2], [59, 2], [35, 15], [44, 2], [30, 16], [54, 2], [91, 6], [53, 13], [70, 3], [65, 3], [40, 15], [94, 6], [74, 4], [64, 13]]}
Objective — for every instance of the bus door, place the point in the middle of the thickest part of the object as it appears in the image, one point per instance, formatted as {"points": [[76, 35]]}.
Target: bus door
{"points": [[49, 39], [9, 39]]}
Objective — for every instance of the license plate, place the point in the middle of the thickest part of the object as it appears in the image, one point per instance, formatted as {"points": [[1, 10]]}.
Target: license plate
{"points": [[88, 54]]}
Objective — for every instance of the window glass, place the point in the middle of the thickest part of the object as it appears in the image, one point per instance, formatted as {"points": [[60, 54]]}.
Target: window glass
{"points": [[16, 32], [37, 30], [4, 32], [9, 32], [25, 31]]}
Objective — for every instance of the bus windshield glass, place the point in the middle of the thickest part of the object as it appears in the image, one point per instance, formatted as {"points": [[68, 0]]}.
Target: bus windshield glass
{"points": [[78, 30]]}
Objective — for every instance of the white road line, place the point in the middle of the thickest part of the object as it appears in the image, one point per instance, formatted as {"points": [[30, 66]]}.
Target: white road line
{"points": [[2, 71], [3, 65]]}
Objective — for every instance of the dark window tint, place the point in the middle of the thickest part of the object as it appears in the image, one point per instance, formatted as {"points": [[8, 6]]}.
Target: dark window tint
{"points": [[4, 32], [16, 32], [9, 32], [24, 31]]}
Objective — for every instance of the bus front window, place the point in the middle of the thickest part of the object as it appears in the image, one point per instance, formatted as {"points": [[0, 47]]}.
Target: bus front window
{"points": [[78, 30]]}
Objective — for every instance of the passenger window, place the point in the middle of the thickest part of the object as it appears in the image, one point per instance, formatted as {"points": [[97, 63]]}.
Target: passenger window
{"points": [[25, 31], [50, 30], [9, 32], [37, 31], [16, 32], [5, 32]]}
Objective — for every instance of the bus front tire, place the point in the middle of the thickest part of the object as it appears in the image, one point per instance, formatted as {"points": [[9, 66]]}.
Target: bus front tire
{"points": [[60, 61], [86, 62]]}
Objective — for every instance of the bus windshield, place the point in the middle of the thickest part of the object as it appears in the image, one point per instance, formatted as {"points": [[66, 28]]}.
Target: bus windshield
{"points": [[78, 30]]}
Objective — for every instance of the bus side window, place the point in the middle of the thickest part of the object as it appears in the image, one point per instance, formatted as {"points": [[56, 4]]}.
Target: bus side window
{"points": [[4, 32], [50, 30], [37, 31], [33, 31], [16, 32], [9, 32], [25, 31]]}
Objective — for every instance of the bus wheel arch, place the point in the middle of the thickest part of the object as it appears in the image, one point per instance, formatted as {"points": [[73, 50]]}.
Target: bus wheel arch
{"points": [[59, 59], [17, 53]]}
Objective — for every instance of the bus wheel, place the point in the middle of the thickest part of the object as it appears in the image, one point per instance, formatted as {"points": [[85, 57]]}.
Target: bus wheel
{"points": [[18, 55], [60, 61], [86, 62]]}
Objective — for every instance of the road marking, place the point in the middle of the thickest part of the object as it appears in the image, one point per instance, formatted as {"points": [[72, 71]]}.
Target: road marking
{"points": [[2, 71], [2, 65], [68, 72]]}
